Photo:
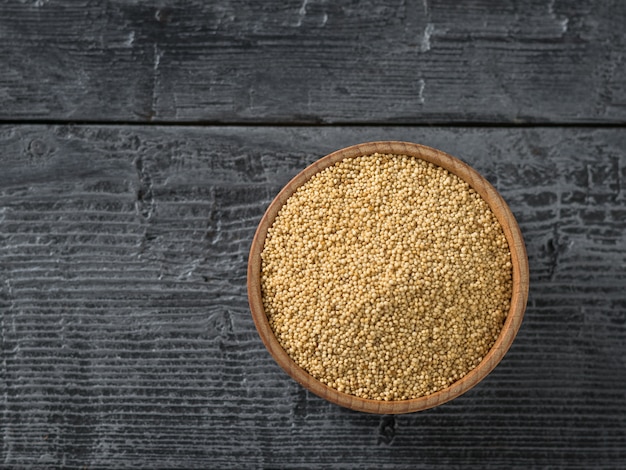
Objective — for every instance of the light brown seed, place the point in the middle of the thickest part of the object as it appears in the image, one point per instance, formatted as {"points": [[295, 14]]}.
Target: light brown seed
{"points": [[386, 277]]}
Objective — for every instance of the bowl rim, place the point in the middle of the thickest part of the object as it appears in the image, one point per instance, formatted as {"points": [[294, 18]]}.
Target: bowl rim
{"points": [[519, 297]]}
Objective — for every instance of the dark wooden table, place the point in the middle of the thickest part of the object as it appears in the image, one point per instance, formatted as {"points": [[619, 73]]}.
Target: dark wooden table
{"points": [[140, 143]]}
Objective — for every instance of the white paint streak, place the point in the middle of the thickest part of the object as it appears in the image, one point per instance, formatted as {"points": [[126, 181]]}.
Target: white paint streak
{"points": [[563, 23], [302, 12], [155, 80], [157, 58], [324, 19], [420, 91], [425, 43], [130, 40]]}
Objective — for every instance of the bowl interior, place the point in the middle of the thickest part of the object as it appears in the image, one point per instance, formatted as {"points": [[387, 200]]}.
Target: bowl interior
{"points": [[519, 292]]}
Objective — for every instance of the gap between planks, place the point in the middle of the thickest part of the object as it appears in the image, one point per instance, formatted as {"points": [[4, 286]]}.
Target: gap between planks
{"points": [[320, 124]]}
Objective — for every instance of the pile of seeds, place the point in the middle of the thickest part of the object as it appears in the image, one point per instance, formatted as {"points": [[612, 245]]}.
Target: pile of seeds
{"points": [[386, 277]]}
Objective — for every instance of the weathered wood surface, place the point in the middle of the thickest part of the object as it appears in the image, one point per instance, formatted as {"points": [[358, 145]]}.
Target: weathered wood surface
{"points": [[377, 61], [127, 339]]}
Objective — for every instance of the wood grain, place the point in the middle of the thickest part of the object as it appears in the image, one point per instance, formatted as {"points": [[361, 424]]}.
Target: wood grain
{"points": [[312, 61], [127, 340]]}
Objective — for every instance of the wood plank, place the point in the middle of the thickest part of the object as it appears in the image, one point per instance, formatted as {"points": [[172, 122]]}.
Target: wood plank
{"points": [[311, 61], [127, 340]]}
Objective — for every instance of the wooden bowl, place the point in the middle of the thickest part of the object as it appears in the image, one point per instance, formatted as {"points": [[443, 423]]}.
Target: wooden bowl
{"points": [[519, 261]]}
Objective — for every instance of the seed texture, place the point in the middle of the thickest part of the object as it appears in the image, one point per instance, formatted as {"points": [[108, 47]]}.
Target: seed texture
{"points": [[386, 277]]}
